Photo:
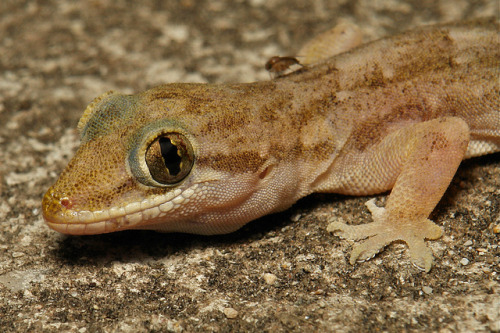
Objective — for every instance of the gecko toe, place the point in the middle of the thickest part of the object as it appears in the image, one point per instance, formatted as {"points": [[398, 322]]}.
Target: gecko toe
{"points": [[355, 232], [369, 248], [430, 230], [420, 254]]}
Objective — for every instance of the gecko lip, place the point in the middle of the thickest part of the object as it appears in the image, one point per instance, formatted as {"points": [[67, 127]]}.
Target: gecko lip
{"points": [[83, 228], [60, 216]]}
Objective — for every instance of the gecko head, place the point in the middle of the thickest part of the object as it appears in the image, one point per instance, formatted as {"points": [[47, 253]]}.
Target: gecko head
{"points": [[143, 164]]}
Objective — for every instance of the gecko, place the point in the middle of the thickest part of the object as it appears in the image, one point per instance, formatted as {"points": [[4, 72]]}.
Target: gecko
{"points": [[395, 115]]}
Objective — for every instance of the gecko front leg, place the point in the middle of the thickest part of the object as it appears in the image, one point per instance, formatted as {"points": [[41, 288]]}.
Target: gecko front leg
{"points": [[423, 158]]}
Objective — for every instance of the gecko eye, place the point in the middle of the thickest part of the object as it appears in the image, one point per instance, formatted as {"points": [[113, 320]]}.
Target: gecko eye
{"points": [[169, 158]]}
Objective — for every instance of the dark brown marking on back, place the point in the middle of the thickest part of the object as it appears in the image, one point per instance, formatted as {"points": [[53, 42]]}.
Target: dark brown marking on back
{"points": [[249, 161]]}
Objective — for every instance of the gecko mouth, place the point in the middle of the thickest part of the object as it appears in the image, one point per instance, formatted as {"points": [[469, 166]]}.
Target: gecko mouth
{"points": [[59, 214]]}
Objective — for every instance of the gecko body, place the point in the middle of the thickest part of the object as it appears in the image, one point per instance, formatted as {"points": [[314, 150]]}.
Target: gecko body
{"points": [[395, 114]]}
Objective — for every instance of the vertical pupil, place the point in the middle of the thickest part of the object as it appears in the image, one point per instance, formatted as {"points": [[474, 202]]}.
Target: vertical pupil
{"points": [[170, 156]]}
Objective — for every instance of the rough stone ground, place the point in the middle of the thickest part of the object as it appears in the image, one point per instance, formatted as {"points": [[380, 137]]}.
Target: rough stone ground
{"points": [[280, 273]]}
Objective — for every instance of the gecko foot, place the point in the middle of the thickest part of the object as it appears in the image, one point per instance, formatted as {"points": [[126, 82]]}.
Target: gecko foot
{"points": [[385, 230]]}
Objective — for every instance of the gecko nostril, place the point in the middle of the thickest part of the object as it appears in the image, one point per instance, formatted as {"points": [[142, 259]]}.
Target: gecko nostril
{"points": [[66, 203]]}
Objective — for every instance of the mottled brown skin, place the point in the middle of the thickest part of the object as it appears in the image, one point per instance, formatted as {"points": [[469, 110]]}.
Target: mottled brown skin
{"points": [[399, 113]]}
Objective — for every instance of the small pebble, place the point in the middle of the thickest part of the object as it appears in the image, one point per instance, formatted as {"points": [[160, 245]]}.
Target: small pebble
{"points": [[464, 261], [496, 229], [270, 278], [17, 254], [230, 313], [28, 294], [427, 290], [468, 243], [318, 292]]}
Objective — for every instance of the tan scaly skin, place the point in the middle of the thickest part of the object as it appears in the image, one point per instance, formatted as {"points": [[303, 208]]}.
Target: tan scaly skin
{"points": [[399, 113]]}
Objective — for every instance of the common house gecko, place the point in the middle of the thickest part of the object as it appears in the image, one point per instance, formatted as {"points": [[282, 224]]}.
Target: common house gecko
{"points": [[398, 114]]}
